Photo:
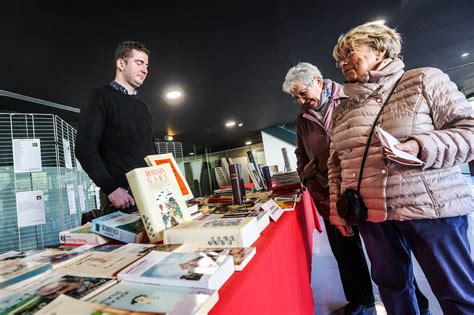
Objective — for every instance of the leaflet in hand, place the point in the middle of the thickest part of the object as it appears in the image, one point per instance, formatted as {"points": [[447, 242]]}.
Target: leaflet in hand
{"points": [[392, 153]]}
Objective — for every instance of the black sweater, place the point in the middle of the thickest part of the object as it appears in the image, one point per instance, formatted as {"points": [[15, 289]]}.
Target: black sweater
{"points": [[114, 136]]}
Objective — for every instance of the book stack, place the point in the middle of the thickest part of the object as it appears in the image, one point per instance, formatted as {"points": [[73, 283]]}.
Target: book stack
{"points": [[82, 235]]}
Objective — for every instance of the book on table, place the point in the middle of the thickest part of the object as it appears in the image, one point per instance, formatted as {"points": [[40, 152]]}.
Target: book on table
{"points": [[168, 158], [215, 232], [194, 269], [158, 198], [240, 255], [120, 226], [16, 267], [82, 235], [158, 298]]}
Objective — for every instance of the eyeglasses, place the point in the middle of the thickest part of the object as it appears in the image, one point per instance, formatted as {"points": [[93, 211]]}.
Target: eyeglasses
{"points": [[304, 92], [345, 56]]}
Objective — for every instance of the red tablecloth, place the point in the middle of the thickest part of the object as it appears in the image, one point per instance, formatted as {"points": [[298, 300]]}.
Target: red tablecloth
{"points": [[278, 278]]}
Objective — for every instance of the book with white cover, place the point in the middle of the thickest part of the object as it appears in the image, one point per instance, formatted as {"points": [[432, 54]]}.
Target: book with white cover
{"points": [[158, 198], [168, 158], [194, 270], [15, 268], [98, 264], [240, 255], [215, 232], [158, 298], [392, 153], [143, 249], [82, 235], [58, 257]]}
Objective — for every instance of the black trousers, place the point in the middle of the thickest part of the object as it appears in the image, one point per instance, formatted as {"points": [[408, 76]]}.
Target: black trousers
{"points": [[353, 269]]}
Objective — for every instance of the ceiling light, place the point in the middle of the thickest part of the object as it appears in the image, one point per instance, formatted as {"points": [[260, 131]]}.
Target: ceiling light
{"points": [[240, 124], [173, 94], [191, 153], [230, 124], [465, 55], [248, 142], [169, 138], [378, 22]]}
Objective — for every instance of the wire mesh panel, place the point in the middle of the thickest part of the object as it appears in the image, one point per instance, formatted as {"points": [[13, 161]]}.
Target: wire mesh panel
{"points": [[52, 180], [176, 148]]}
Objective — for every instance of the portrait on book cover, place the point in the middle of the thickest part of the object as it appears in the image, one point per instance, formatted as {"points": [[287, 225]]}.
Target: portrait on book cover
{"points": [[169, 207]]}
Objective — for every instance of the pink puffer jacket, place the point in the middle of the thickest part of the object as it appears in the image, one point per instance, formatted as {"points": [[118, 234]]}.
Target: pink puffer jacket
{"points": [[425, 106]]}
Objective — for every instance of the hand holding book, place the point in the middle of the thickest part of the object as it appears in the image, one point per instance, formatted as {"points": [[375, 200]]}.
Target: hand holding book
{"points": [[403, 153]]}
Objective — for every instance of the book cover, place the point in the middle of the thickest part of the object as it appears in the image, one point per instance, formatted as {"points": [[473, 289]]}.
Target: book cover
{"points": [[157, 298], [58, 257], [168, 158], [196, 270], [215, 232], [82, 235], [64, 304], [392, 153], [16, 268], [159, 199], [240, 255], [32, 296], [124, 227], [98, 264], [237, 182], [143, 249]]}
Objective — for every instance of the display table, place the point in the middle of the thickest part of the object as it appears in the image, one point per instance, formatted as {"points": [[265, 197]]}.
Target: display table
{"points": [[278, 278]]}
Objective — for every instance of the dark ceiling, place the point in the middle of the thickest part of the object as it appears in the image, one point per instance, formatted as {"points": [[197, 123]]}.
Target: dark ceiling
{"points": [[230, 57]]}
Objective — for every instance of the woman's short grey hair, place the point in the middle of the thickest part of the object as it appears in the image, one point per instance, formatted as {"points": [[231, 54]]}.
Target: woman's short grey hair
{"points": [[377, 36], [302, 73]]}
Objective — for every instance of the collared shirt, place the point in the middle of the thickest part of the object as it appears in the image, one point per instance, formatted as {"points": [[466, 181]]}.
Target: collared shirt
{"points": [[120, 88]]}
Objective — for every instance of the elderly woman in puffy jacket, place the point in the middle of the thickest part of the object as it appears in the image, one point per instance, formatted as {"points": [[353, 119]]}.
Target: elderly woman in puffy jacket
{"points": [[419, 209]]}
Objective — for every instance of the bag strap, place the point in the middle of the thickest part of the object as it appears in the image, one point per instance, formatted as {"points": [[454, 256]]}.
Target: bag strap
{"points": [[372, 132]]}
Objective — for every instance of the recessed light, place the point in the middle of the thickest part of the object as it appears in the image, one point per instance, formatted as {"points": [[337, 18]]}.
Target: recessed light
{"points": [[230, 124], [248, 142], [169, 138], [191, 153], [465, 54], [378, 22], [173, 94], [240, 124]]}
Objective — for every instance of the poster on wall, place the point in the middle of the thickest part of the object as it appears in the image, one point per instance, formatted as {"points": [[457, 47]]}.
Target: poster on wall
{"points": [[30, 208], [97, 197], [82, 198], [26, 155], [67, 154], [71, 198]]}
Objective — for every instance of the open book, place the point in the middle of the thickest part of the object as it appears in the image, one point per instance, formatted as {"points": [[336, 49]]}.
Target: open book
{"points": [[392, 153]]}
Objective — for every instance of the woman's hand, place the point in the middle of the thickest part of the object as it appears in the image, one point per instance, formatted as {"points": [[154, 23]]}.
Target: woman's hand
{"points": [[345, 230], [411, 146]]}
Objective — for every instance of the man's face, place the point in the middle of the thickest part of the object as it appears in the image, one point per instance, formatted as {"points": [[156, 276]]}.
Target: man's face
{"points": [[135, 68]]}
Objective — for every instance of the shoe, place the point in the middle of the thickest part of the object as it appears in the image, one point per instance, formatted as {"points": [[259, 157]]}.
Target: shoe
{"points": [[358, 309]]}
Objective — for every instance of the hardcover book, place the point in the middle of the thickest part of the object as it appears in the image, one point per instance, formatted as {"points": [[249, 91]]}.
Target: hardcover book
{"points": [[215, 232], [196, 270], [159, 199], [158, 298], [82, 235], [30, 297], [124, 227], [98, 264], [237, 182], [160, 159]]}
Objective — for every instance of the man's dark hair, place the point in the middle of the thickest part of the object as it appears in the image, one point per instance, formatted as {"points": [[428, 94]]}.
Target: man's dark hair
{"points": [[124, 49]]}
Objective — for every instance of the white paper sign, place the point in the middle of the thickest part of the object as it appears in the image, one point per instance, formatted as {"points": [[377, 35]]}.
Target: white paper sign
{"points": [[30, 208], [82, 198], [71, 198], [67, 154], [97, 197], [273, 209], [26, 155]]}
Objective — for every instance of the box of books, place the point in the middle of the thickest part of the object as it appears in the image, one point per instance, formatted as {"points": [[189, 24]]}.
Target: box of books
{"points": [[193, 269], [124, 227], [82, 235], [159, 199], [161, 299], [215, 232]]}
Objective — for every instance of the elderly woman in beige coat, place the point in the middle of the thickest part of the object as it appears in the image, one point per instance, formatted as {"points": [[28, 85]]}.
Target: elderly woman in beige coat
{"points": [[411, 209]]}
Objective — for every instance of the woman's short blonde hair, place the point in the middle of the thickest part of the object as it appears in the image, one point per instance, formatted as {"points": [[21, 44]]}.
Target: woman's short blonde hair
{"points": [[377, 36]]}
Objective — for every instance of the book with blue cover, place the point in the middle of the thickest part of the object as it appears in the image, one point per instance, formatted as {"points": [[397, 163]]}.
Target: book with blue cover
{"points": [[124, 227], [15, 267]]}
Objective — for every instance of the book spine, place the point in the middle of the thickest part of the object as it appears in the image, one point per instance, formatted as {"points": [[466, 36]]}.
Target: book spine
{"points": [[257, 169], [237, 183], [204, 238], [82, 238], [267, 177]]}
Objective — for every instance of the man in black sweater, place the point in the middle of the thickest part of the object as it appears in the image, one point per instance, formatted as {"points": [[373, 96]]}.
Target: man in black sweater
{"points": [[115, 131]]}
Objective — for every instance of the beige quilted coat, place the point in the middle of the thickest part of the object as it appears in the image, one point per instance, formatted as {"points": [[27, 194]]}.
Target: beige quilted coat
{"points": [[425, 106]]}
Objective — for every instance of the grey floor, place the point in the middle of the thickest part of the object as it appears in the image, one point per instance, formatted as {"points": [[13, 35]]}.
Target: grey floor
{"points": [[327, 290]]}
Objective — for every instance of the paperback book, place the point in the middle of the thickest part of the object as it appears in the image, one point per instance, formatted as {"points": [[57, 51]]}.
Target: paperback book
{"points": [[159, 199], [157, 298], [82, 235], [215, 232], [124, 227], [195, 269], [240, 255], [392, 153], [15, 268]]}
